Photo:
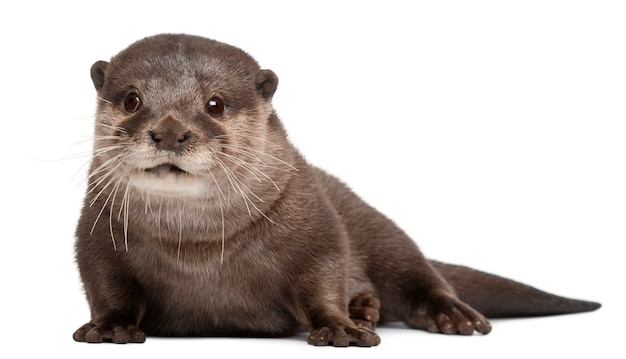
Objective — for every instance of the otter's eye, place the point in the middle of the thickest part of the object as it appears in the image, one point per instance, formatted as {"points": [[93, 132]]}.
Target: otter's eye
{"points": [[215, 107], [132, 102]]}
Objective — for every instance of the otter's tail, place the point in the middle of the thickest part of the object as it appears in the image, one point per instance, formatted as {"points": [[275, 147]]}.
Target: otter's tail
{"points": [[497, 297]]}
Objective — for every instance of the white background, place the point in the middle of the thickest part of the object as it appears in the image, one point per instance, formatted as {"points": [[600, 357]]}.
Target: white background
{"points": [[493, 132]]}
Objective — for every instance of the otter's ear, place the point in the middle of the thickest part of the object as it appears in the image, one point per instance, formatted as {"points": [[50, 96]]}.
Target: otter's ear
{"points": [[266, 83], [97, 74]]}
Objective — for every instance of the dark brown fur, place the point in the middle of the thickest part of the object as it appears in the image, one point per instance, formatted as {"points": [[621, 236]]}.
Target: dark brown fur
{"points": [[198, 224]]}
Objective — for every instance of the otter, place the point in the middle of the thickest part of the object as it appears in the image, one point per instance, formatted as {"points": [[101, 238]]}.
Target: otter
{"points": [[201, 219]]}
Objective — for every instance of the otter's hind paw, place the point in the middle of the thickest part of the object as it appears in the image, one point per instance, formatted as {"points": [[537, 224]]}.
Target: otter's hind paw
{"points": [[364, 310], [448, 315]]}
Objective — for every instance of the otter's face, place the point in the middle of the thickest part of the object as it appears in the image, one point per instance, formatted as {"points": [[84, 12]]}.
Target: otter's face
{"points": [[176, 114]]}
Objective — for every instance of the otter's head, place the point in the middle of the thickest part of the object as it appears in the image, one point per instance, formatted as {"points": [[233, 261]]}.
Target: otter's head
{"points": [[178, 113]]}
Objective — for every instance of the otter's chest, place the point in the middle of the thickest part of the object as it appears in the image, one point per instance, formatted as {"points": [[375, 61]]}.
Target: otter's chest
{"points": [[246, 293]]}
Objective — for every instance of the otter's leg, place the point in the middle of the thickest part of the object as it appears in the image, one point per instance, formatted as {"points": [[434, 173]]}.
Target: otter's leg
{"points": [[115, 298], [323, 301], [117, 307]]}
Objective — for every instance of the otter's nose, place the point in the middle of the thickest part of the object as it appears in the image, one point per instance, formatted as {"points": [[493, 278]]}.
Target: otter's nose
{"points": [[169, 140], [170, 136]]}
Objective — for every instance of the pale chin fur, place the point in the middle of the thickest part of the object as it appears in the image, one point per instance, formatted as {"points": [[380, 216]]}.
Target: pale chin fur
{"points": [[169, 185]]}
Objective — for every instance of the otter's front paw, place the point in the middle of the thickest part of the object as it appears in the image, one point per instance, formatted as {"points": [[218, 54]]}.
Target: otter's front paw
{"points": [[92, 333], [448, 315], [341, 336]]}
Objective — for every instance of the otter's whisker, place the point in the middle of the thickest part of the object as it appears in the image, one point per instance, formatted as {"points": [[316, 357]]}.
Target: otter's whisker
{"points": [[250, 168], [114, 173], [105, 164], [247, 152], [96, 138], [104, 100], [159, 224], [219, 188], [180, 232], [125, 205], [222, 213], [223, 233], [115, 188], [100, 213], [246, 198], [114, 128], [231, 179], [90, 155], [253, 138], [247, 166], [101, 179]]}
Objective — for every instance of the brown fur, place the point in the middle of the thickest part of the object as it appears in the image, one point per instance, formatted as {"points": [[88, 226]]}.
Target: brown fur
{"points": [[203, 225]]}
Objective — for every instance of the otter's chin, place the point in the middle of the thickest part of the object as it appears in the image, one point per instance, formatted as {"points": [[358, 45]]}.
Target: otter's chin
{"points": [[166, 169], [169, 181]]}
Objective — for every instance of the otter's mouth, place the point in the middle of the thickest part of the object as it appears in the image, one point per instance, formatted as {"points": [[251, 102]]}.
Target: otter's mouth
{"points": [[165, 169]]}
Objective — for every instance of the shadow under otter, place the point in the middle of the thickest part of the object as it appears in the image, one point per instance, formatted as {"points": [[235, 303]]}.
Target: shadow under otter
{"points": [[202, 219]]}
